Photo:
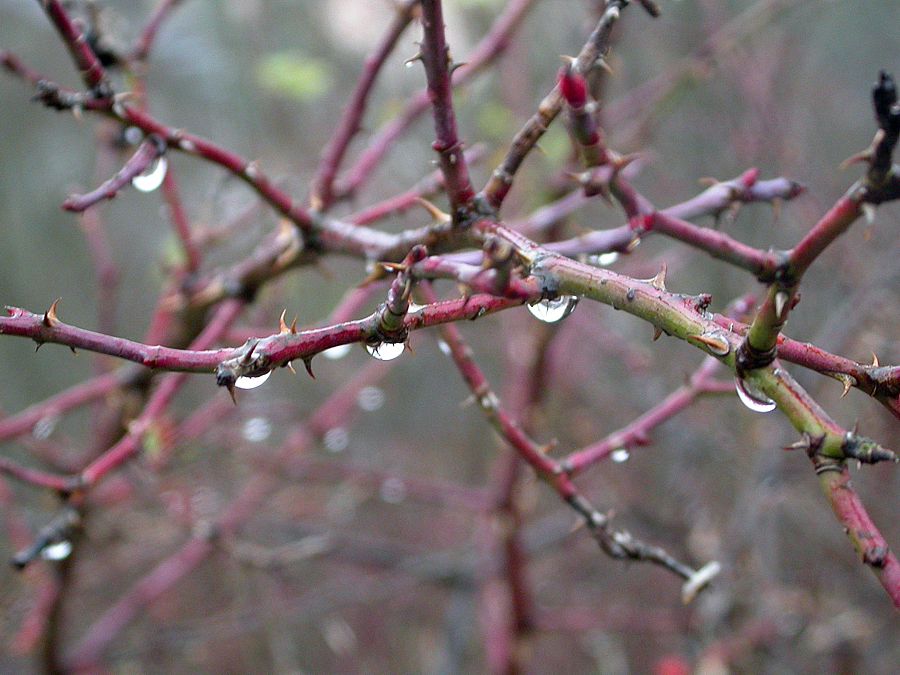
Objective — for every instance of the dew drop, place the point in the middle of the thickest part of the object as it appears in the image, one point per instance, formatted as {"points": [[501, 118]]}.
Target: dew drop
{"points": [[251, 382], [386, 351], [620, 455], [58, 551], [754, 399], [336, 439], [370, 399], [257, 429], [392, 491], [444, 347], [604, 259], [336, 353], [551, 311], [152, 177], [132, 135]]}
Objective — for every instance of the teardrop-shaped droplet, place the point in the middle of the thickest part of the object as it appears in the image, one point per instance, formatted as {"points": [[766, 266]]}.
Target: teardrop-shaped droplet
{"points": [[551, 311], [605, 259], [620, 455], [252, 382], [751, 397], [58, 551], [336, 353], [152, 177], [386, 351]]}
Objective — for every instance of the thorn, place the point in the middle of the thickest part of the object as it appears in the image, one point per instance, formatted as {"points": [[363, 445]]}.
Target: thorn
{"points": [[659, 281], [408, 346], [50, 319], [603, 65], [579, 524], [549, 447], [394, 267], [875, 363], [282, 326], [412, 59], [717, 345], [290, 366], [438, 215], [657, 333], [230, 388], [781, 301], [468, 401], [377, 274], [848, 381], [39, 345], [869, 212], [803, 444], [307, 361], [294, 326], [454, 66], [73, 350]]}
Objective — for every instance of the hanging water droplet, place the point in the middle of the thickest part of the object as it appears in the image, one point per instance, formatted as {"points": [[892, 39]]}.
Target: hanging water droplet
{"points": [[604, 259], [751, 397], [251, 382], [58, 551], [133, 135], [392, 491], [620, 455], [551, 311], [385, 351], [152, 177], [257, 429], [336, 353], [336, 439], [45, 426], [370, 399]]}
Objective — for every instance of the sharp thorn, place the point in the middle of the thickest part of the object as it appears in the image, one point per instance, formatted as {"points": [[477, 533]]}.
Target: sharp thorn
{"points": [[50, 319], [659, 281], [875, 363], [657, 333], [282, 326], [307, 361], [438, 215], [290, 366], [73, 350], [230, 388]]}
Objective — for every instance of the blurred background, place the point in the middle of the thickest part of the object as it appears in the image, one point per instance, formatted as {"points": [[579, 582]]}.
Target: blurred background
{"points": [[371, 552]]}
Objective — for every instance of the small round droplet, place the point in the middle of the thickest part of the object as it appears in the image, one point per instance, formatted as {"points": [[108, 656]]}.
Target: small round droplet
{"points": [[620, 455], [604, 259], [370, 399], [552, 311], [751, 397], [444, 347], [252, 382], [58, 551], [336, 439], [257, 429], [336, 353], [132, 135], [385, 351], [392, 491], [152, 177]]}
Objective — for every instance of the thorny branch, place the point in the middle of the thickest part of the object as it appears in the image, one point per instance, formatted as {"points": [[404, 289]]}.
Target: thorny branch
{"points": [[497, 267]]}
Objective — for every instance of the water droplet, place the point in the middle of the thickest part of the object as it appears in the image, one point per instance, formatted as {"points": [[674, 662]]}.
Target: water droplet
{"points": [[152, 177], [392, 491], [370, 399], [45, 426], [751, 397], [604, 259], [620, 455], [444, 347], [336, 439], [58, 551], [133, 135], [252, 382], [257, 429], [551, 311], [386, 351], [336, 353], [409, 63]]}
